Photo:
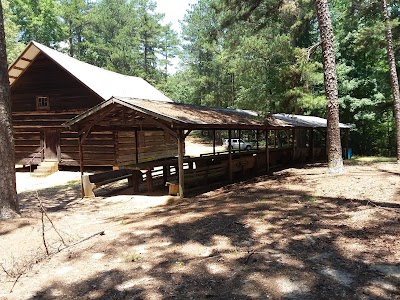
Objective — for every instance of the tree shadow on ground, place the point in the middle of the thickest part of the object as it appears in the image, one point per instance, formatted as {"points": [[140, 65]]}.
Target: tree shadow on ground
{"points": [[251, 241], [53, 199]]}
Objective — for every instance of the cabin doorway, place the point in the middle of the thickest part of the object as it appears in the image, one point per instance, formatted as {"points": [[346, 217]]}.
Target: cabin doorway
{"points": [[51, 144]]}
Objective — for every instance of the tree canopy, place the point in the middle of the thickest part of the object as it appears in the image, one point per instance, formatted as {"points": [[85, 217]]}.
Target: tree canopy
{"points": [[263, 55]]}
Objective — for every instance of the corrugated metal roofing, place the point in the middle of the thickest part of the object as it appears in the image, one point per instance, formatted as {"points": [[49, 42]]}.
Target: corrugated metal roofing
{"points": [[305, 121], [104, 83]]}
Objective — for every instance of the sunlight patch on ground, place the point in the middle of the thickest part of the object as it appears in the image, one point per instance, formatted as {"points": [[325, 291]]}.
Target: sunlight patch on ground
{"points": [[286, 286], [26, 182], [140, 201]]}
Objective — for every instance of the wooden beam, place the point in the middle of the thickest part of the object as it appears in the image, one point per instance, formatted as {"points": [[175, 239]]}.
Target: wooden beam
{"points": [[159, 124], [312, 144], [230, 155], [181, 143], [18, 68], [26, 59], [213, 141], [187, 133], [81, 164], [293, 144], [240, 137], [136, 146], [85, 131], [257, 138], [267, 164]]}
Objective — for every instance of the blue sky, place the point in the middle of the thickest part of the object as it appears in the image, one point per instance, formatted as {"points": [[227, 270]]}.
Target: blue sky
{"points": [[174, 10]]}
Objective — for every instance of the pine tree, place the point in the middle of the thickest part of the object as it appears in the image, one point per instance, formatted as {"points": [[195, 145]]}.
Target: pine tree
{"points": [[8, 196], [334, 149], [393, 75]]}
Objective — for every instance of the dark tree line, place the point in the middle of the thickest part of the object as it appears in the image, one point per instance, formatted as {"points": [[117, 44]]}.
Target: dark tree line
{"points": [[266, 55], [128, 37]]}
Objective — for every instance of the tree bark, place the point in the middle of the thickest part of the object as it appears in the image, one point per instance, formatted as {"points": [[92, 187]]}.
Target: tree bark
{"points": [[334, 149], [393, 75], [8, 194]]}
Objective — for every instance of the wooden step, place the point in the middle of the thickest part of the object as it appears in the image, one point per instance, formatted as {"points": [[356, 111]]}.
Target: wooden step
{"points": [[45, 168]]}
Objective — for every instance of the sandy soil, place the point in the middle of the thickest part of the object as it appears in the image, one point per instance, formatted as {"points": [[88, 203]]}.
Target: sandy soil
{"points": [[297, 234]]}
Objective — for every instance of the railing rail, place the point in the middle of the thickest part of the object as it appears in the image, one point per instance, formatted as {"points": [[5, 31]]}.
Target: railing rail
{"points": [[33, 157]]}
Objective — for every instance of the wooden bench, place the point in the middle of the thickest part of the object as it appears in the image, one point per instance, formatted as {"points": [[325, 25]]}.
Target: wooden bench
{"points": [[90, 182]]}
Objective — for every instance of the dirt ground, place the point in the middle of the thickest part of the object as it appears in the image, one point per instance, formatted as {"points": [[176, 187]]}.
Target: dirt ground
{"points": [[297, 234]]}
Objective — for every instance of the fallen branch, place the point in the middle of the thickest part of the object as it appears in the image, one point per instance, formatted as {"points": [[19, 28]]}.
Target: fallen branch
{"points": [[4, 269], [248, 257], [43, 210], [15, 282], [43, 236], [82, 240], [383, 207]]}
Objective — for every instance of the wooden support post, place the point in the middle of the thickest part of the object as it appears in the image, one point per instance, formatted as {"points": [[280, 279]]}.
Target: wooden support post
{"points": [[257, 138], [80, 141], [116, 155], [137, 178], [149, 180], [165, 174], [181, 144], [293, 145], [230, 155], [214, 141], [346, 143], [267, 166], [312, 144], [240, 136], [136, 146]]}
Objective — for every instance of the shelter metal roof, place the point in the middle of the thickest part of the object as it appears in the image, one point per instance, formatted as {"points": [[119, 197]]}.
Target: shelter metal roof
{"points": [[104, 83], [305, 121]]}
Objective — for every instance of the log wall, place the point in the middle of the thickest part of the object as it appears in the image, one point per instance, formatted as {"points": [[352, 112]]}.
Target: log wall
{"points": [[27, 144], [98, 149], [46, 78], [152, 145]]}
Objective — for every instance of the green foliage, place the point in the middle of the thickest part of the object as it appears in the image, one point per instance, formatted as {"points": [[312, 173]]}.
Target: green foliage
{"points": [[37, 20], [133, 256], [13, 46], [120, 35], [269, 51], [258, 54]]}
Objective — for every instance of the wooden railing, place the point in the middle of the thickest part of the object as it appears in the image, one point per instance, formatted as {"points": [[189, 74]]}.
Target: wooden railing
{"points": [[33, 157]]}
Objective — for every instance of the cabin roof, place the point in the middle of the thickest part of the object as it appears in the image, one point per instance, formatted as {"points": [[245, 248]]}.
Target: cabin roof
{"points": [[188, 116], [176, 115], [104, 83]]}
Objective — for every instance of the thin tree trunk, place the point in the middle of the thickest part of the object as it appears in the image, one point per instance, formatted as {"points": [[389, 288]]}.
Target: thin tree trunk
{"points": [[334, 149], [393, 75], [8, 195]]}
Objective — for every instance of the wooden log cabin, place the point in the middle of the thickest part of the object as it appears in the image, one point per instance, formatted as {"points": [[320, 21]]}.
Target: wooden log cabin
{"points": [[48, 88]]}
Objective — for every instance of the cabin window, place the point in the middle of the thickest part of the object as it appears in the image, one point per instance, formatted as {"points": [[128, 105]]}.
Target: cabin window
{"points": [[42, 103]]}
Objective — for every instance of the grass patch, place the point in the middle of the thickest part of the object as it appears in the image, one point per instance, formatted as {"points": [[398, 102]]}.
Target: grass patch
{"points": [[73, 182], [370, 159], [310, 198], [132, 257]]}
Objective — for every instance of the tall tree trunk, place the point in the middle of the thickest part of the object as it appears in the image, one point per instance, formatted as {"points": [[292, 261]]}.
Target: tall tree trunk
{"points": [[334, 149], [8, 194], [393, 75]]}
